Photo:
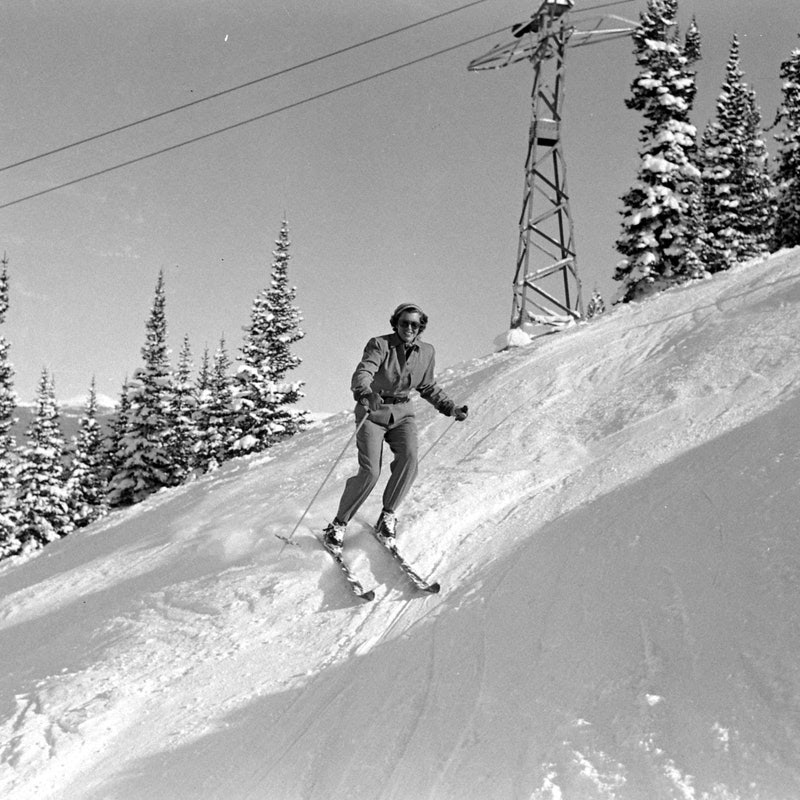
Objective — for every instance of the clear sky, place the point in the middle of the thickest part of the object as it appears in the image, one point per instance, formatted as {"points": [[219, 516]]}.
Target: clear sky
{"points": [[408, 187]]}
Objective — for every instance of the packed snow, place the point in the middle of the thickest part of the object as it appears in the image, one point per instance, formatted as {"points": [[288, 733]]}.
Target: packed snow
{"points": [[615, 528]]}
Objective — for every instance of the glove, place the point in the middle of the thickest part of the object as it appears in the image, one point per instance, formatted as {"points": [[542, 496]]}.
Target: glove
{"points": [[371, 400], [460, 413]]}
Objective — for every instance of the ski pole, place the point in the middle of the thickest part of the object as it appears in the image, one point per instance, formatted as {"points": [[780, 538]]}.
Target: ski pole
{"points": [[436, 441], [288, 539]]}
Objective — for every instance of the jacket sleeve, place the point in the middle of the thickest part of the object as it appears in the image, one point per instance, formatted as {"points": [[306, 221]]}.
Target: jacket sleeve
{"points": [[431, 391], [361, 382]]}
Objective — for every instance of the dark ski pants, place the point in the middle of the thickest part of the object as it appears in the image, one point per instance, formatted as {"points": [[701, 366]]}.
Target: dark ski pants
{"points": [[401, 437]]}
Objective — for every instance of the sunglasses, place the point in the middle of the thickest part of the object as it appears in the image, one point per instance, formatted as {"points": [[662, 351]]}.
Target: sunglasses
{"points": [[408, 323]]}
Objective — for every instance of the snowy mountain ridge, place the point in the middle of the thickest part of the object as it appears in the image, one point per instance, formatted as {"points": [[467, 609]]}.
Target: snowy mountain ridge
{"points": [[70, 414], [76, 405], [615, 531]]}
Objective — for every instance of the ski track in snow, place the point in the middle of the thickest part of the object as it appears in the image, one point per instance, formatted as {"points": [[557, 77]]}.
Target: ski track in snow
{"points": [[614, 529]]}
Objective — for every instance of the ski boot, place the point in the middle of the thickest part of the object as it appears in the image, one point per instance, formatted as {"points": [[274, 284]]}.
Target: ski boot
{"points": [[386, 528], [333, 537]]}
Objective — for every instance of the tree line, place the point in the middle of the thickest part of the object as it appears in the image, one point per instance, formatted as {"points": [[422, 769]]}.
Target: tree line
{"points": [[170, 424], [702, 203]]}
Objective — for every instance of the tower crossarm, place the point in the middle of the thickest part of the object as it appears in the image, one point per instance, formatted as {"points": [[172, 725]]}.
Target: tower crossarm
{"points": [[534, 46], [528, 49], [601, 29]]}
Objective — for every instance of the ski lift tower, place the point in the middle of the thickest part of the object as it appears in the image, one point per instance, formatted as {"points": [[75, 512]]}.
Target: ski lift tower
{"points": [[548, 291]]}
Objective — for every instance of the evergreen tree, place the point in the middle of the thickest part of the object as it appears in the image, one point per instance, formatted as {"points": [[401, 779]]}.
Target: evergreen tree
{"points": [[9, 517], [660, 228], [787, 228], [42, 494], [759, 193], [737, 188], [86, 484], [181, 412], [262, 395], [204, 373], [596, 305], [216, 433], [146, 462], [695, 255], [114, 452], [202, 414], [692, 43]]}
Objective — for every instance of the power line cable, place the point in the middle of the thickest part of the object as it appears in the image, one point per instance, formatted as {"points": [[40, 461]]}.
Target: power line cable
{"points": [[600, 5], [268, 113], [245, 85], [235, 125]]}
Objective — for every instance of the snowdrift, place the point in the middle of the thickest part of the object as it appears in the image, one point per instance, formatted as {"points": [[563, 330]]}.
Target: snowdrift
{"points": [[616, 531]]}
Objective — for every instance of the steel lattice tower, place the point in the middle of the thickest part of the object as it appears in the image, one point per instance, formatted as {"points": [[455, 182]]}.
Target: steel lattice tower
{"points": [[547, 287]]}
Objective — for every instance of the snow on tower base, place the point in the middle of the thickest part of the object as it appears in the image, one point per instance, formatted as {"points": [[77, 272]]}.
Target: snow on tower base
{"points": [[514, 337]]}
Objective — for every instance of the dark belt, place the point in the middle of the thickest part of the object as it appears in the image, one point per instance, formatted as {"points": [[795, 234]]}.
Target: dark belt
{"points": [[393, 400]]}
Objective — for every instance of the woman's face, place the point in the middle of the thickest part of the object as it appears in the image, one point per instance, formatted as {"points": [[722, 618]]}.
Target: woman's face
{"points": [[408, 326]]}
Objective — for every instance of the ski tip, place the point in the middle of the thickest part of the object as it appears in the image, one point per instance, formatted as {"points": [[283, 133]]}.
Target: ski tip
{"points": [[434, 588], [370, 595]]}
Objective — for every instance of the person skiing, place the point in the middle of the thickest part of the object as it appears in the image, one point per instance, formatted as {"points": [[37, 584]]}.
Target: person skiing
{"points": [[391, 366]]}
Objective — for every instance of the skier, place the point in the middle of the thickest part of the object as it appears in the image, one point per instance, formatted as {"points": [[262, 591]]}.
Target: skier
{"points": [[392, 365]]}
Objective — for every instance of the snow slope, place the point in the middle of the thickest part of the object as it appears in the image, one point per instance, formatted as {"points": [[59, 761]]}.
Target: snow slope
{"points": [[616, 531]]}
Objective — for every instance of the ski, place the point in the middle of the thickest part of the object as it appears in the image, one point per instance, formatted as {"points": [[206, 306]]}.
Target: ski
{"points": [[431, 587], [353, 582]]}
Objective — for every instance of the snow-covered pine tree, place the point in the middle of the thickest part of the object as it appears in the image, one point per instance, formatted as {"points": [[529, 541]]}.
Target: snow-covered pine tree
{"points": [[204, 373], [737, 187], [202, 414], [9, 517], [659, 235], [42, 494], [114, 453], [692, 43], [146, 462], [596, 305], [222, 404], [263, 397], [759, 192], [787, 227], [86, 484], [214, 417], [695, 234], [182, 406]]}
